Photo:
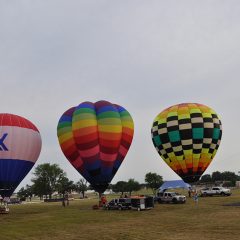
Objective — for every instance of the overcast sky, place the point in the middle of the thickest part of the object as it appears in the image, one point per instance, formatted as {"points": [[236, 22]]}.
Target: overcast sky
{"points": [[144, 55]]}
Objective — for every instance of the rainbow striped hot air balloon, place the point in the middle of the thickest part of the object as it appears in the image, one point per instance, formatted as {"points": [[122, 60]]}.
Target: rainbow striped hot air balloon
{"points": [[187, 137], [95, 138], [20, 146]]}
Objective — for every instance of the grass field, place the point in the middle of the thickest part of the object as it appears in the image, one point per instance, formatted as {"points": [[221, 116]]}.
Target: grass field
{"points": [[207, 220]]}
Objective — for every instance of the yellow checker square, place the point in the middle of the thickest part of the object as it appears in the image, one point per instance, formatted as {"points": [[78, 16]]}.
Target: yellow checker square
{"points": [[162, 120], [209, 156], [183, 116], [214, 153], [166, 160], [195, 110], [171, 155], [212, 111], [172, 114], [196, 156], [179, 158], [205, 150], [207, 115], [188, 152]]}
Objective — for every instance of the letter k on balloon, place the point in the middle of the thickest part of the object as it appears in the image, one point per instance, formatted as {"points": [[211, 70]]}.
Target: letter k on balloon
{"points": [[2, 145]]}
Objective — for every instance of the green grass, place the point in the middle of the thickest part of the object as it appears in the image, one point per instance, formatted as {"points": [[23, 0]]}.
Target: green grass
{"points": [[207, 220]]}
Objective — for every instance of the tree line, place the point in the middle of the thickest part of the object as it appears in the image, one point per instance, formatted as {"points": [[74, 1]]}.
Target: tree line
{"points": [[50, 178], [227, 178]]}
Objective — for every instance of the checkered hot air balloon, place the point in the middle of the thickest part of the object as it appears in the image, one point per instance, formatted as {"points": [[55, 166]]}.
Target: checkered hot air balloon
{"points": [[187, 137], [95, 138], [20, 146]]}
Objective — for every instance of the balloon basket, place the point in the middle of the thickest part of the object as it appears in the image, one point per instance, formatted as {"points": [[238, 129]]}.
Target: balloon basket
{"points": [[4, 210]]}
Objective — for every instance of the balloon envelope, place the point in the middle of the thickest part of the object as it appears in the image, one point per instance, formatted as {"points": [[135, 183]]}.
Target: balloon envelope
{"points": [[95, 138], [187, 137], [20, 146]]}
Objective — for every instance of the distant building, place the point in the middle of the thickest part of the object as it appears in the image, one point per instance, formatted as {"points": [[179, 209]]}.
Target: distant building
{"points": [[238, 184]]}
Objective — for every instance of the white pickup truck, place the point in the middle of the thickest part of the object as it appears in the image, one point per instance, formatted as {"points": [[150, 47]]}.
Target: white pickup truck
{"points": [[171, 197], [214, 191]]}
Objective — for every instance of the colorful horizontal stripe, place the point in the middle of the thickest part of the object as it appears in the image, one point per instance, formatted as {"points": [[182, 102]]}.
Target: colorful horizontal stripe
{"points": [[95, 138]]}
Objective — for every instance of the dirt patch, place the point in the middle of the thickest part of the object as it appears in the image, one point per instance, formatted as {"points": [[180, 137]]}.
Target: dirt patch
{"points": [[236, 204]]}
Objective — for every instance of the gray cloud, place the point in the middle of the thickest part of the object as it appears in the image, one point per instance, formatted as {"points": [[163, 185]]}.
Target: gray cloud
{"points": [[144, 55]]}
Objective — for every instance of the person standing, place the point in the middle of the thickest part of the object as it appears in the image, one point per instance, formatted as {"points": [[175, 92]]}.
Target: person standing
{"points": [[195, 197]]}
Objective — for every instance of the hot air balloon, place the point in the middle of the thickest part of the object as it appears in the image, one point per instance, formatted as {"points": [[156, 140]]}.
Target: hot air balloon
{"points": [[187, 137], [95, 138], [20, 146]]}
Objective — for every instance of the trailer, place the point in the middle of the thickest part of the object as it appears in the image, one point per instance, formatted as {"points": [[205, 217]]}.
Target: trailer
{"points": [[142, 202]]}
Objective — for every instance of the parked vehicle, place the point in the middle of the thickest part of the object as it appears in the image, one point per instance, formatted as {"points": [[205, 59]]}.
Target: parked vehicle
{"points": [[142, 202], [171, 197], [14, 201], [215, 191], [135, 202], [118, 204]]}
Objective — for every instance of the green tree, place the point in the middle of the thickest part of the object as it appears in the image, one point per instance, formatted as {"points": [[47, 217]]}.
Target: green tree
{"points": [[46, 179], [65, 185], [26, 192], [22, 193], [153, 181], [228, 177], [206, 178], [120, 186], [216, 176], [39, 188], [81, 186], [29, 190], [231, 177], [132, 185]]}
